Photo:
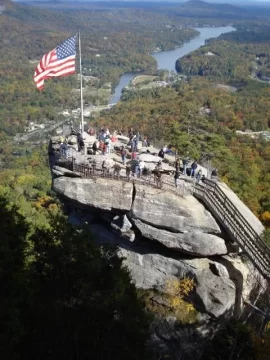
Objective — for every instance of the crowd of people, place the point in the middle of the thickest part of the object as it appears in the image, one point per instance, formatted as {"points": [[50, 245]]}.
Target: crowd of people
{"points": [[137, 167]]}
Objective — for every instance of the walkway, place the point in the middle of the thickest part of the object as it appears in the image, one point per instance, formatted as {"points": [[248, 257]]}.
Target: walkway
{"points": [[235, 224], [216, 201]]}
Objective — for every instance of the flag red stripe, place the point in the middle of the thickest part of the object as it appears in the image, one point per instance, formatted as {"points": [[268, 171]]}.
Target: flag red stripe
{"points": [[56, 63], [64, 72]]}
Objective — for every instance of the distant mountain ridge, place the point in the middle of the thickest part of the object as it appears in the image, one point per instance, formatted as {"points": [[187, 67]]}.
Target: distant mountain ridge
{"points": [[206, 5], [5, 3], [199, 8]]}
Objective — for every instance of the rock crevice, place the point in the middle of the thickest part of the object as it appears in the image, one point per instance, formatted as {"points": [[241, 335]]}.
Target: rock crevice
{"points": [[162, 236]]}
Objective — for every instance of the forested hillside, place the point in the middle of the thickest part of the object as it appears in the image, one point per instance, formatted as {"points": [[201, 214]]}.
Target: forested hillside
{"points": [[168, 114], [235, 56], [122, 39], [62, 296]]}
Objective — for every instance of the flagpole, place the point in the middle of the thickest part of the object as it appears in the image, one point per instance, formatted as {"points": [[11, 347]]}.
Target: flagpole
{"points": [[80, 56]]}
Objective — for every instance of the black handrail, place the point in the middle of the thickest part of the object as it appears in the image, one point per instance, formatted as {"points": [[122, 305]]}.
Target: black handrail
{"points": [[239, 215], [243, 233], [92, 172]]}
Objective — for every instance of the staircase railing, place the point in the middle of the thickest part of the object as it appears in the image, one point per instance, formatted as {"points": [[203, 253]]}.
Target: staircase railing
{"points": [[148, 180], [236, 224], [218, 203]]}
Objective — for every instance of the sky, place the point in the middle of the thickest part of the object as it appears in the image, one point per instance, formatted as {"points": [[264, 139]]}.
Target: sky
{"points": [[179, 1]]}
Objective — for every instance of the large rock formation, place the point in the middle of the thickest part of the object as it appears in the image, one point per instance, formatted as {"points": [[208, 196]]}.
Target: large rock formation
{"points": [[163, 236], [167, 210], [221, 281], [103, 194], [193, 243], [178, 223]]}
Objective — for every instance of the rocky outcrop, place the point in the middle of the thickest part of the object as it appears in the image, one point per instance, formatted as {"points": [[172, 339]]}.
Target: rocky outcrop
{"points": [[61, 171], [162, 236], [193, 243], [164, 209], [104, 194], [152, 267], [178, 223]]}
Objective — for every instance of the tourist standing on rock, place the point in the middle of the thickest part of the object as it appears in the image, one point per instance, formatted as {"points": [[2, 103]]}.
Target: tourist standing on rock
{"points": [[94, 148], [135, 140], [131, 133], [123, 152], [157, 174], [177, 165], [135, 167], [79, 138], [214, 174], [114, 137], [141, 167], [194, 166], [133, 155], [128, 170], [176, 178], [159, 166], [199, 176], [145, 143], [101, 136], [91, 131], [132, 145], [108, 144], [102, 147], [80, 143], [185, 164], [116, 169], [161, 153]]}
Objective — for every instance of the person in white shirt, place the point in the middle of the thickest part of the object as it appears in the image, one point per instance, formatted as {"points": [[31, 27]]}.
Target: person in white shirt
{"points": [[141, 167]]}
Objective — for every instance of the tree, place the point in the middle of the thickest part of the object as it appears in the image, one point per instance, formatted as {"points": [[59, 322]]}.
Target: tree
{"points": [[13, 278], [233, 341], [64, 296]]}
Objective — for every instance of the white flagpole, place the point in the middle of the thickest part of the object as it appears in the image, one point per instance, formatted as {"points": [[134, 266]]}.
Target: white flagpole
{"points": [[82, 122]]}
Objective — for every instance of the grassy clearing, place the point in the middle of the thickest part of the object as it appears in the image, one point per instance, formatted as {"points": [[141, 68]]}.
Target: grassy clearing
{"points": [[102, 94], [152, 84], [141, 78]]}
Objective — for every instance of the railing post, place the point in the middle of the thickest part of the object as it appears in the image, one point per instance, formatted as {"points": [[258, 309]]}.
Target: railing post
{"points": [[226, 211]]}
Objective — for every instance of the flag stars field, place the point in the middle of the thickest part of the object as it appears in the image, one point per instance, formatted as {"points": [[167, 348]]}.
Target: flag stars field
{"points": [[58, 62]]}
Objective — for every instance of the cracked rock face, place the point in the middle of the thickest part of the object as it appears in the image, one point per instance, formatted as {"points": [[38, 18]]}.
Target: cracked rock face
{"points": [[181, 224], [104, 194], [150, 268], [192, 243], [167, 210]]}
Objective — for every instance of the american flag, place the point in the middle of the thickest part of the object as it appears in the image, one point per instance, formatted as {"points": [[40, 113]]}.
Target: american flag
{"points": [[58, 62]]}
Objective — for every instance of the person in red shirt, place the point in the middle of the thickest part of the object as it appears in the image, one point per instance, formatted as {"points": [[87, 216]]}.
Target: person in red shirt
{"points": [[133, 155]]}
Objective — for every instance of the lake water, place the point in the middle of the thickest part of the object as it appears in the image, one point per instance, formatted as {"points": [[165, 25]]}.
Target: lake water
{"points": [[166, 59]]}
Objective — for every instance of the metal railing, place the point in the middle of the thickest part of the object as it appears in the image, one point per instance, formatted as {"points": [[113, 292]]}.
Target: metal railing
{"points": [[214, 198], [236, 224], [149, 180]]}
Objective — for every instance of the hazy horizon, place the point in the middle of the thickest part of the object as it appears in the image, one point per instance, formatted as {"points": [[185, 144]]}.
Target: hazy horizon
{"points": [[180, 1]]}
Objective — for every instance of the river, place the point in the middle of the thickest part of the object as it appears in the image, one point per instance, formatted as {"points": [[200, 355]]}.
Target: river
{"points": [[166, 59]]}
